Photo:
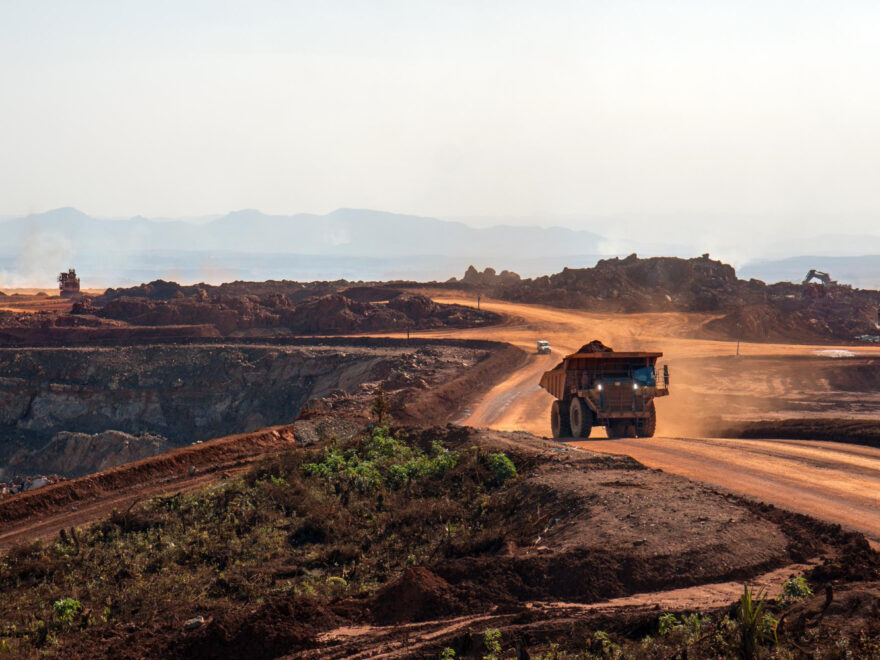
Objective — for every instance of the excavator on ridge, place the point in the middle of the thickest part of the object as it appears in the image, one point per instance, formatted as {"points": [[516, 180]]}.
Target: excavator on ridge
{"points": [[822, 276]]}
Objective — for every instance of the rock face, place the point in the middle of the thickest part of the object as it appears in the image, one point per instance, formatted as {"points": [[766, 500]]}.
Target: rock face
{"points": [[75, 454], [57, 404], [488, 278], [183, 393]]}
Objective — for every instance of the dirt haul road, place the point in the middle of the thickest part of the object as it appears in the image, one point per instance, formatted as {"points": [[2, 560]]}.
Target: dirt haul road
{"points": [[834, 481]]}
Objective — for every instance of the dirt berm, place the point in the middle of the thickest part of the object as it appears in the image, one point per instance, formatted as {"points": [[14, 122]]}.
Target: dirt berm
{"points": [[165, 470]]}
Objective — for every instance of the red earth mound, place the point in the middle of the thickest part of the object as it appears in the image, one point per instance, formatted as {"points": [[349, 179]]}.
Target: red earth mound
{"points": [[418, 595]]}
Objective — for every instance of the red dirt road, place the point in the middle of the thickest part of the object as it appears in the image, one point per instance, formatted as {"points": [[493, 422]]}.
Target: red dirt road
{"points": [[834, 481]]}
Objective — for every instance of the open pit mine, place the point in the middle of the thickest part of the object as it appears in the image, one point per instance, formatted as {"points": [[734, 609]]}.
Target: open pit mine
{"points": [[460, 469]]}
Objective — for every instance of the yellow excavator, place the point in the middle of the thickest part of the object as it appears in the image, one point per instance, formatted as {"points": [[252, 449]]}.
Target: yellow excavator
{"points": [[823, 277]]}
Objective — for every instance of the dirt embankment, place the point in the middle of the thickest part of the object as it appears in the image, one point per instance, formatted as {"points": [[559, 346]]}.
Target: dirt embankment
{"points": [[855, 431], [446, 401], [608, 528], [750, 310], [138, 479]]}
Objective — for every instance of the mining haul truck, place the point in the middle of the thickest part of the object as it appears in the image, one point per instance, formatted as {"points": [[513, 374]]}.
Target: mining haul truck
{"points": [[605, 388], [68, 284]]}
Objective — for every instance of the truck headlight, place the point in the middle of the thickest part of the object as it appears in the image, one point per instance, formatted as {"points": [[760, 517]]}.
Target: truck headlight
{"points": [[635, 386], [599, 387]]}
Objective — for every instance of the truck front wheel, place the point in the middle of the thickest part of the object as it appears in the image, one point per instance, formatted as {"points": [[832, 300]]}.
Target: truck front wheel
{"points": [[558, 421], [645, 427], [580, 418]]}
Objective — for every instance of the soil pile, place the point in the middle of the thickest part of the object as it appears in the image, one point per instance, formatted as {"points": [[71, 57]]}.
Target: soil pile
{"points": [[750, 310], [369, 309], [419, 595], [856, 431], [163, 290]]}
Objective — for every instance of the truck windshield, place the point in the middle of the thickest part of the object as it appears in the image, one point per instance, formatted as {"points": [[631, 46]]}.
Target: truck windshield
{"points": [[644, 376]]}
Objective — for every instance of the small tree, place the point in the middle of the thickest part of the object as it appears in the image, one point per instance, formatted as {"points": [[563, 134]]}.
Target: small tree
{"points": [[380, 406]]}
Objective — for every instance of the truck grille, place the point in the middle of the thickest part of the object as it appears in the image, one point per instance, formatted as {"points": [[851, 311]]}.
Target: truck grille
{"points": [[618, 397]]}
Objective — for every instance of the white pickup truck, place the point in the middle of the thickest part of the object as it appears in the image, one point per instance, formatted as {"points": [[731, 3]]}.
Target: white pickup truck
{"points": [[543, 346]]}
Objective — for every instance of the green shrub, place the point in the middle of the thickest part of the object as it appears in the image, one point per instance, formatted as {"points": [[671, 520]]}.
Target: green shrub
{"points": [[795, 589], [502, 467], [65, 609], [383, 460], [492, 642], [667, 623]]}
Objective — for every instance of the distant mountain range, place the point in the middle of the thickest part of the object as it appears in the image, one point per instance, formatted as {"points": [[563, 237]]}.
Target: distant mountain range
{"points": [[351, 244], [347, 243], [350, 232]]}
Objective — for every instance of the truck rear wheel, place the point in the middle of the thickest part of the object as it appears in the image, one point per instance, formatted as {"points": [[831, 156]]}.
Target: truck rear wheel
{"points": [[624, 428], [645, 427], [558, 421], [580, 418]]}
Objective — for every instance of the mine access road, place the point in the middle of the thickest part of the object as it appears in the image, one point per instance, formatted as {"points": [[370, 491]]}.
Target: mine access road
{"points": [[835, 481]]}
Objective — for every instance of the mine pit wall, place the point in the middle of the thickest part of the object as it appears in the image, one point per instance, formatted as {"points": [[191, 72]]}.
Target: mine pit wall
{"points": [[201, 391]]}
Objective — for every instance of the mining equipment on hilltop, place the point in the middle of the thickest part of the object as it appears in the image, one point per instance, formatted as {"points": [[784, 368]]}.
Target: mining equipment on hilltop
{"points": [[600, 387], [68, 283], [823, 277]]}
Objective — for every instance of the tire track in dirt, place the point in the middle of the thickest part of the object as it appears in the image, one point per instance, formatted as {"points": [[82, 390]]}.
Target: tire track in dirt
{"points": [[772, 471]]}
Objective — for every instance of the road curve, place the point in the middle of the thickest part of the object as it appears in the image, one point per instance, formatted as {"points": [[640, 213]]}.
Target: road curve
{"points": [[834, 481]]}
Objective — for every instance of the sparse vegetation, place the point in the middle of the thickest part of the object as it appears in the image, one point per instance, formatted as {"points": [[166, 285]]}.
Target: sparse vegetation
{"points": [[381, 461], [492, 643], [321, 523], [502, 467], [380, 406], [795, 589], [753, 621], [65, 609]]}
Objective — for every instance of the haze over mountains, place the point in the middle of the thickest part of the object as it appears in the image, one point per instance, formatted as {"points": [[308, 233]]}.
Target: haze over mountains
{"points": [[347, 243]]}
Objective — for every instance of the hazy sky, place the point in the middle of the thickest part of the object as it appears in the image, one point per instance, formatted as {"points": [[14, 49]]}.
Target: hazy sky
{"points": [[765, 110]]}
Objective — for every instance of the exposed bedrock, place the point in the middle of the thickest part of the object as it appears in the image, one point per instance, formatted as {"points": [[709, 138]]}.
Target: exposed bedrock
{"points": [[184, 393], [54, 402]]}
